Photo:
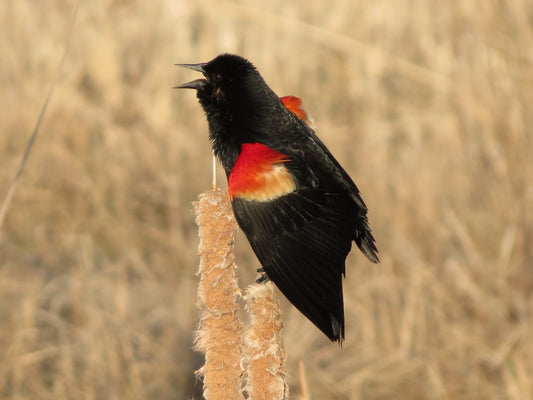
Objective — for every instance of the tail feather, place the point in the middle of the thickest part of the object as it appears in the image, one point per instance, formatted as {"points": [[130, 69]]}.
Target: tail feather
{"points": [[366, 243]]}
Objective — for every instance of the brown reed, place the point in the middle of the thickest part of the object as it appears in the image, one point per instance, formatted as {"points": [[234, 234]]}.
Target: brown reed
{"points": [[265, 355], [220, 332]]}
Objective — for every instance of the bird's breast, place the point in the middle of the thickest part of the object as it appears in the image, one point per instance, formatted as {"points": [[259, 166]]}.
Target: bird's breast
{"points": [[260, 174]]}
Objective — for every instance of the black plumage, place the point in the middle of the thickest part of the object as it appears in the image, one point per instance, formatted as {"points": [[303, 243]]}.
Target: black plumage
{"points": [[303, 232]]}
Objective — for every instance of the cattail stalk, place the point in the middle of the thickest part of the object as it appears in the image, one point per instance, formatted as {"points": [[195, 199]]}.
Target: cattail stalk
{"points": [[265, 355], [220, 332]]}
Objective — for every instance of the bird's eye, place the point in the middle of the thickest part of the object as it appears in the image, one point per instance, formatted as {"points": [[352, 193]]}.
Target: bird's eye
{"points": [[217, 77]]}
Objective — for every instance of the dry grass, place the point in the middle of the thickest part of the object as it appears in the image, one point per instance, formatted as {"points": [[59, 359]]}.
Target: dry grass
{"points": [[427, 104]]}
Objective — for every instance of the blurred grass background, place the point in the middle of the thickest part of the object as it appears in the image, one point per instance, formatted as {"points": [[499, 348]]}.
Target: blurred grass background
{"points": [[428, 105]]}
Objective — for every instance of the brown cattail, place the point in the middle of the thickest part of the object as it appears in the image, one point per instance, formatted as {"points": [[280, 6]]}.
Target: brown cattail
{"points": [[265, 355], [220, 332]]}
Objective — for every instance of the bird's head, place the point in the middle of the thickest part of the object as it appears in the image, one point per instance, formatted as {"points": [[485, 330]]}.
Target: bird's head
{"points": [[231, 85]]}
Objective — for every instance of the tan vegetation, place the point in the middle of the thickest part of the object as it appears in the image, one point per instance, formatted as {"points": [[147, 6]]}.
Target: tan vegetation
{"points": [[427, 105], [265, 356], [220, 331]]}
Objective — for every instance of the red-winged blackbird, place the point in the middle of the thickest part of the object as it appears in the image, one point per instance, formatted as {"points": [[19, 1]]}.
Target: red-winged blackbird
{"points": [[296, 205]]}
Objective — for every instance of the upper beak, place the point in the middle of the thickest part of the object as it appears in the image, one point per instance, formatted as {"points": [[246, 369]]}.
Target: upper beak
{"points": [[195, 67], [196, 84]]}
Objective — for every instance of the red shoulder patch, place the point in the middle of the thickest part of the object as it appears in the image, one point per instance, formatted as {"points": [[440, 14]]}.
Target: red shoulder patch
{"points": [[259, 174], [295, 104]]}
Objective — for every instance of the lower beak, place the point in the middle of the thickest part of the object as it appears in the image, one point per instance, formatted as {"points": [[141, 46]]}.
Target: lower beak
{"points": [[196, 84]]}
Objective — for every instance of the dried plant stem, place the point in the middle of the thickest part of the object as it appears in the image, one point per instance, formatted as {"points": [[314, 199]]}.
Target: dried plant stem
{"points": [[220, 334], [265, 354], [36, 130], [303, 382]]}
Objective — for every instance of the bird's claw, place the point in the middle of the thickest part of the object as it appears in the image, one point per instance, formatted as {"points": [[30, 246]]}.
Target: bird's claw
{"points": [[263, 278]]}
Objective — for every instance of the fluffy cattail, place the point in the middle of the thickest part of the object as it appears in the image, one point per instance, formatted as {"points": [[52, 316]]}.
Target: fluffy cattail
{"points": [[220, 332], [264, 351]]}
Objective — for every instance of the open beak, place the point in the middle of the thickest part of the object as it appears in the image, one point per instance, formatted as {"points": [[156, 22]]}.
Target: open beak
{"points": [[195, 67], [196, 84]]}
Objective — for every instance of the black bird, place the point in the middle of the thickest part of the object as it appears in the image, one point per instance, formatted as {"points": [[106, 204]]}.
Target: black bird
{"points": [[296, 205]]}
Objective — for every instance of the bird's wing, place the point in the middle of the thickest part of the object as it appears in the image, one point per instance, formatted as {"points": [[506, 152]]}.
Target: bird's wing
{"points": [[302, 240], [321, 166], [330, 172]]}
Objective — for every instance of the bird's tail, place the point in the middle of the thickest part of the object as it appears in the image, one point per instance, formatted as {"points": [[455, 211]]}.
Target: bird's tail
{"points": [[366, 242]]}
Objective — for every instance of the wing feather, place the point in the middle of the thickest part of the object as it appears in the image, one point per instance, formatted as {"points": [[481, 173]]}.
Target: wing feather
{"points": [[302, 240]]}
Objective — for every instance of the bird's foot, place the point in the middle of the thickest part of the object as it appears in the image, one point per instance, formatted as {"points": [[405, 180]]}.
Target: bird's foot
{"points": [[264, 277]]}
